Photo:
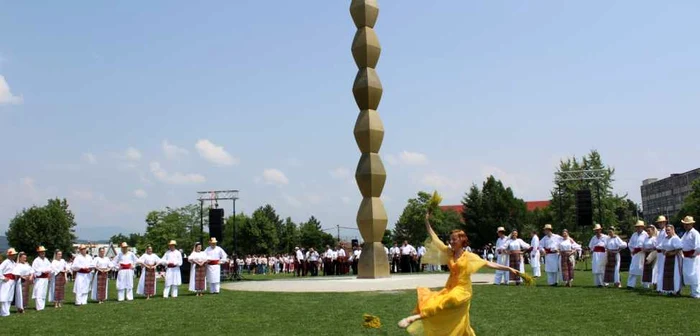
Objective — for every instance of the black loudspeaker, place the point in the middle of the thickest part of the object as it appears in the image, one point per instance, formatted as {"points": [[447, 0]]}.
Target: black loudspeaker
{"points": [[355, 242], [216, 221], [584, 208]]}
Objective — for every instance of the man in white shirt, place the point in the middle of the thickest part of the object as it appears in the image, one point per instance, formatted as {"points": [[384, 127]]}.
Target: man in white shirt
{"points": [[215, 256], [407, 251], [691, 256], [298, 261], [313, 261], [172, 259], [636, 247], [355, 258], [421, 253], [501, 277], [328, 259], [42, 271], [125, 261], [535, 254], [340, 261], [395, 252]]}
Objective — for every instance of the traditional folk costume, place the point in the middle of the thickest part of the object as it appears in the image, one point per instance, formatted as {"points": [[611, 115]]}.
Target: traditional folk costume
{"points": [[549, 245], [23, 276], [691, 259], [57, 284], [501, 277], [125, 276], [7, 283], [660, 256], [100, 281], [534, 256], [612, 263], [516, 248], [598, 256], [42, 273], [447, 312], [341, 266], [172, 259], [82, 267], [636, 247], [215, 256], [670, 279], [651, 257], [567, 255], [147, 281], [198, 274]]}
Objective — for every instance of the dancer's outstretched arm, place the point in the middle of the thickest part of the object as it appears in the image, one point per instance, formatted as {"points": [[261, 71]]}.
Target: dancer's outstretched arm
{"points": [[500, 267]]}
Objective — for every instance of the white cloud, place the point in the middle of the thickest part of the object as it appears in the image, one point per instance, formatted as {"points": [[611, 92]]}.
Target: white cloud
{"points": [[90, 158], [140, 193], [174, 178], [6, 96], [413, 158], [340, 173], [292, 201], [275, 177], [172, 151], [215, 154], [132, 154], [314, 198], [436, 181]]}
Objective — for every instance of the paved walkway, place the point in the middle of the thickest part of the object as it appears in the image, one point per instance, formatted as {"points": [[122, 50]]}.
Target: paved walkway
{"points": [[350, 284]]}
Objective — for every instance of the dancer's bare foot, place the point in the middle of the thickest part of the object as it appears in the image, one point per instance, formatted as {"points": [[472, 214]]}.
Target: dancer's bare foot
{"points": [[403, 324]]}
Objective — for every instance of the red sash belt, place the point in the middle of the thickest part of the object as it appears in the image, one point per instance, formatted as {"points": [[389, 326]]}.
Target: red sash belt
{"points": [[636, 250], [43, 276], [599, 249], [172, 265], [659, 251], [213, 262], [10, 276], [125, 266], [84, 270], [689, 254], [549, 251]]}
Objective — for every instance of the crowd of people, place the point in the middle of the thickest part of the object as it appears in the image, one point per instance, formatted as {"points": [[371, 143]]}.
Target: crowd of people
{"points": [[661, 260], [46, 279]]}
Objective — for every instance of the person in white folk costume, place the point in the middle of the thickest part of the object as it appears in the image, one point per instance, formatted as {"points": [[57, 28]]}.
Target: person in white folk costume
{"points": [[567, 248], [59, 277], [515, 247], [670, 279], [82, 268], [147, 281], [691, 259], [198, 270], [7, 282], [501, 277], [613, 245], [100, 280], [534, 254], [24, 276], [172, 260], [42, 273], [598, 255], [636, 247], [549, 246], [215, 256], [649, 274], [660, 253], [125, 261]]}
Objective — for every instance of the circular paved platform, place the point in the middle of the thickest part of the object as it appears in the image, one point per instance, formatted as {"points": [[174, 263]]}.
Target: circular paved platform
{"points": [[350, 284]]}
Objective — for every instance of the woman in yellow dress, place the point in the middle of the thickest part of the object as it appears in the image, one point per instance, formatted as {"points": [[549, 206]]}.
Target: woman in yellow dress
{"points": [[447, 312]]}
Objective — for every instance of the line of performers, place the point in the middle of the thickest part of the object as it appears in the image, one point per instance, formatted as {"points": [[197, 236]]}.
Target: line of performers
{"points": [[660, 259], [48, 278], [331, 262]]}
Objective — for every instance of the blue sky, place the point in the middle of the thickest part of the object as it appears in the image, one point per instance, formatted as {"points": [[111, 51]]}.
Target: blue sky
{"points": [[129, 107]]}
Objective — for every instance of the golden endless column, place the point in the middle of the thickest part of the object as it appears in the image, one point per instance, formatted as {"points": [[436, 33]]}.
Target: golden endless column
{"points": [[369, 133]]}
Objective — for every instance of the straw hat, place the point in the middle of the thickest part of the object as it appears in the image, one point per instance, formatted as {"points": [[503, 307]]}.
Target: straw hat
{"points": [[124, 244], [688, 220], [41, 249], [82, 247], [213, 240], [501, 229], [597, 227], [11, 251], [172, 242], [661, 219], [547, 227], [640, 223], [612, 228]]}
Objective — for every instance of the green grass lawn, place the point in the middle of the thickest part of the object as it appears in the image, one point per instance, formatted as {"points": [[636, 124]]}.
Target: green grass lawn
{"points": [[496, 310]]}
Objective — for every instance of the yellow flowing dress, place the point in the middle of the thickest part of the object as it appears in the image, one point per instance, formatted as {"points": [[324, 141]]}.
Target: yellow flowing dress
{"points": [[446, 313]]}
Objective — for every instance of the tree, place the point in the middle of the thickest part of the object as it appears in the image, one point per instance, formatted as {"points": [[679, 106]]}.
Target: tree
{"points": [[411, 223], [388, 238], [691, 204], [311, 235], [273, 218], [259, 233], [180, 224], [52, 226], [290, 236], [601, 190], [227, 242], [493, 206]]}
